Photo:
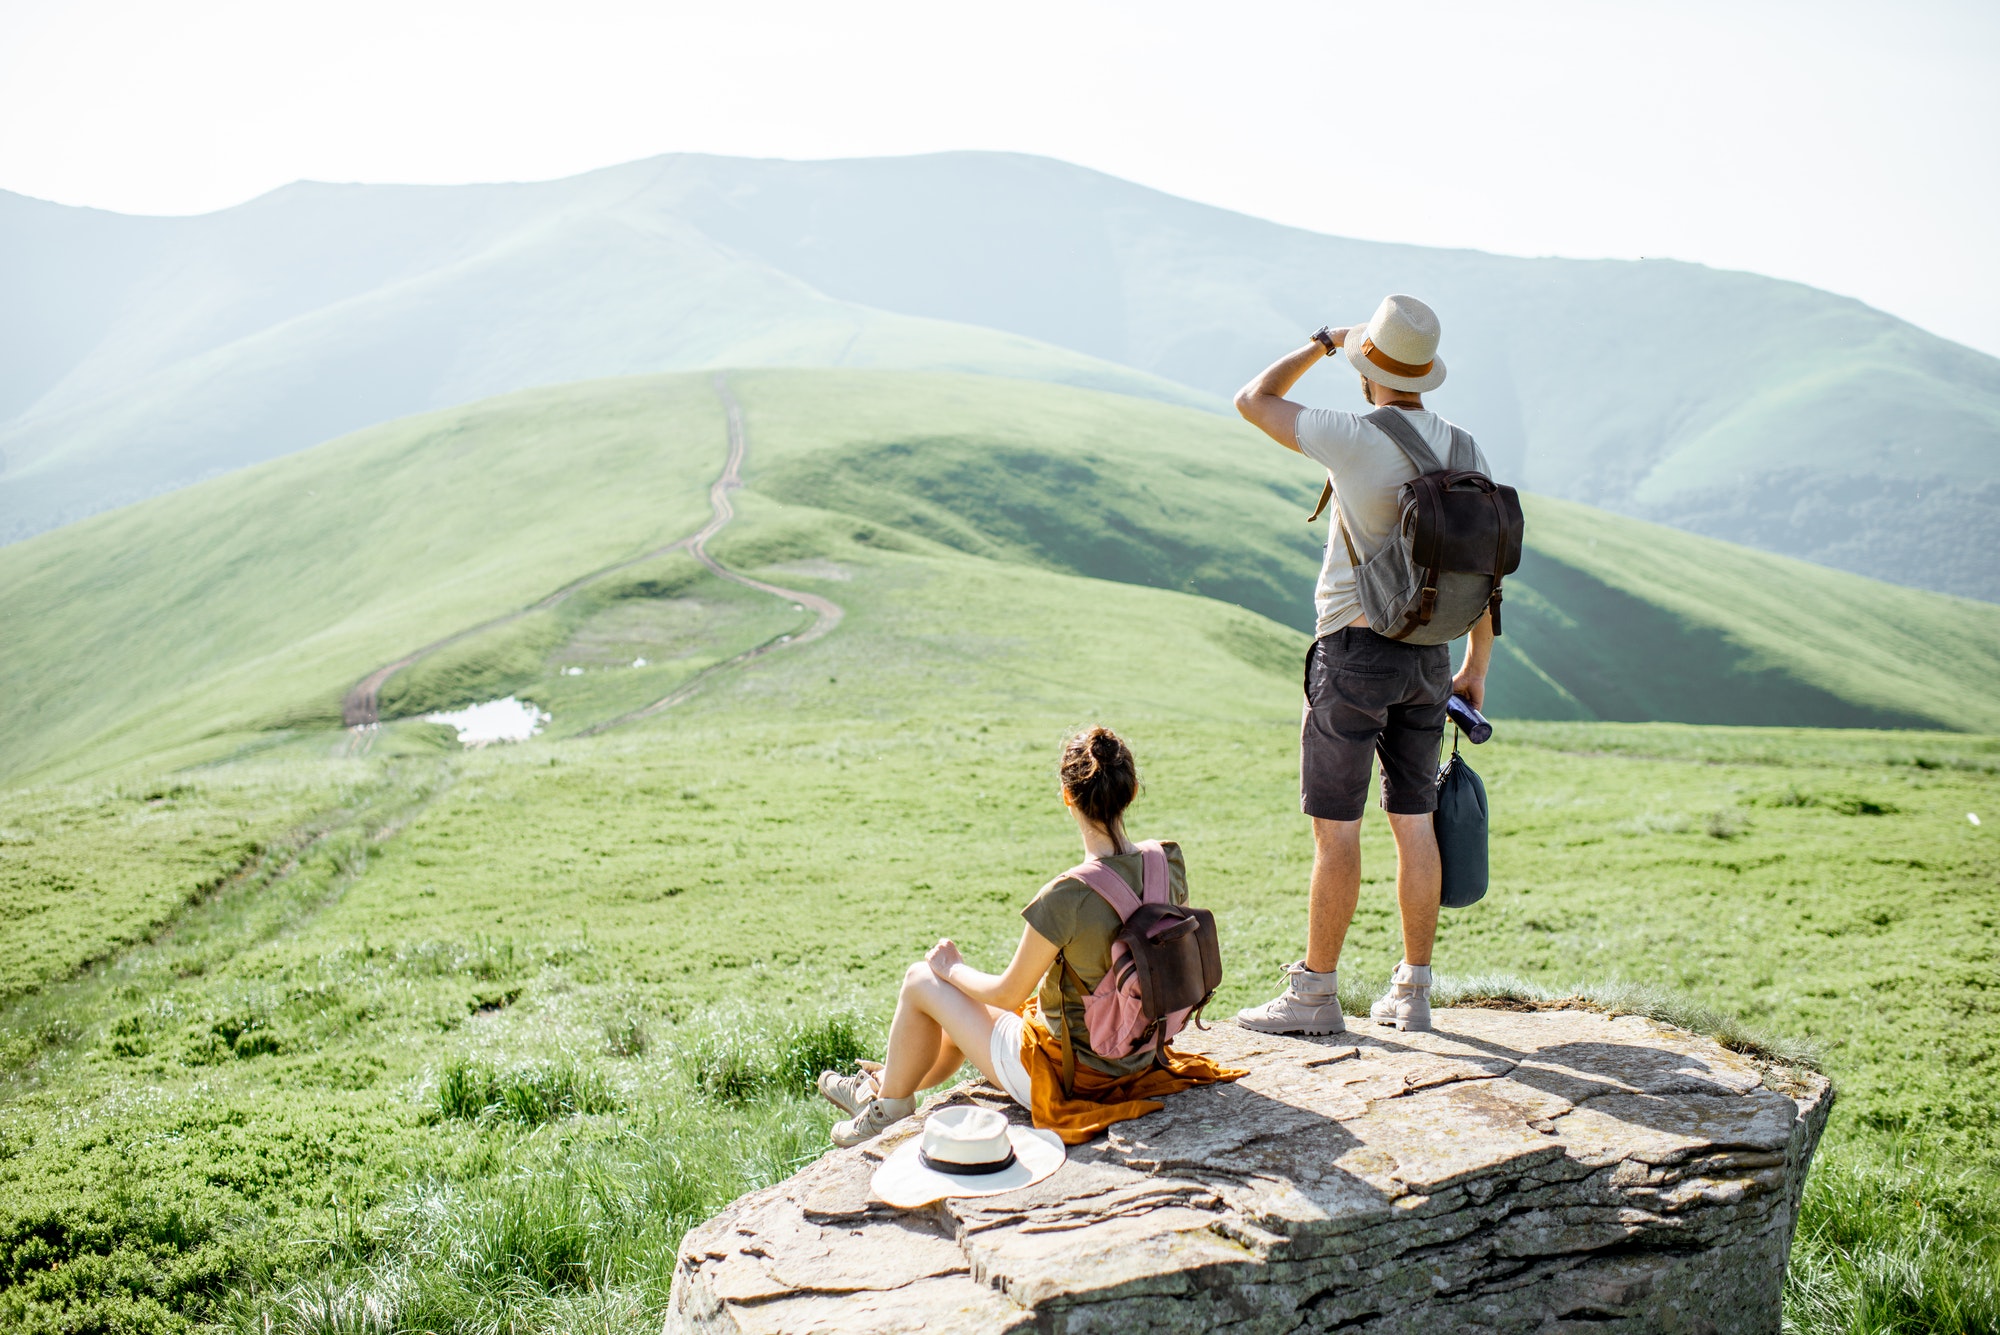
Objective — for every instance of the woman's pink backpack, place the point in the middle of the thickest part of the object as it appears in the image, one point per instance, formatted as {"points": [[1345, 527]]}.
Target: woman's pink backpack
{"points": [[1166, 962]]}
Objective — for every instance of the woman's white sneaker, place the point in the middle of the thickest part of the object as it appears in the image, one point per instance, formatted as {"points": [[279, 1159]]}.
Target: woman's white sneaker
{"points": [[1310, 1004], [875, 1117], [1407, 1004]]}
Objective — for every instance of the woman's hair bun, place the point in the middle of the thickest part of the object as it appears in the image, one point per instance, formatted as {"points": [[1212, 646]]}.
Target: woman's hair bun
{"points": [[1099, 774]]}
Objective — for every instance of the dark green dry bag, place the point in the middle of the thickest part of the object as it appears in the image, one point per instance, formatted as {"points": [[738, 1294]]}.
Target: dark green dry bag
{"points": [[1461, 832]]}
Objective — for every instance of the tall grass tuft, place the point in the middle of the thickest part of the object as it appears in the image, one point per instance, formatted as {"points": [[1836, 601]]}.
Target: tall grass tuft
{"points": [[828, 1043], [1902, 1241], [530, 1095], [569, 1236], [627, 1035], [740, 1060]]}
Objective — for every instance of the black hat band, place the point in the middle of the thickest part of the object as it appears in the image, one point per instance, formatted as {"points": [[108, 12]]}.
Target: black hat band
{"points": [[965, 1169]]}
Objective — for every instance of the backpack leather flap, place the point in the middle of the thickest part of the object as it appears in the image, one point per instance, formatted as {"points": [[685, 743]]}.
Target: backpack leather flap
{"points": [[1203, 964], [1210, 943], [1166, 927], [1463, 523], [1167, 959]]}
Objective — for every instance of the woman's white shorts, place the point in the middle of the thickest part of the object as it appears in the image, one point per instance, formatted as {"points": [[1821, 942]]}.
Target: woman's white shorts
{"points": [[1007, 1062]]}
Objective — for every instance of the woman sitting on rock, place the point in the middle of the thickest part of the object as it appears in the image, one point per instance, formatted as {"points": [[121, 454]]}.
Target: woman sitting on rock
{"points": [[949, 1012]]}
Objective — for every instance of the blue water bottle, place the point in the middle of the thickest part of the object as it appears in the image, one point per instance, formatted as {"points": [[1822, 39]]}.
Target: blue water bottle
{"points": [[1469, 720]]}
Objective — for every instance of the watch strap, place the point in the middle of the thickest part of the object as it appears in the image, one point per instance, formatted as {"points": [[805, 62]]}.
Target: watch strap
{"points": [[1324, 337]]}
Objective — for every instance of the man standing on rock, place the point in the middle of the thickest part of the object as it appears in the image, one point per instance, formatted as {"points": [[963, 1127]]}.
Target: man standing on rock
{"points": [[1366, 694]]}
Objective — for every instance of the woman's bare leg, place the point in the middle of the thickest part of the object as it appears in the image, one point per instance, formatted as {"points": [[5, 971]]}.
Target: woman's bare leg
{"points": [[949, 1059], [933, 1017]]}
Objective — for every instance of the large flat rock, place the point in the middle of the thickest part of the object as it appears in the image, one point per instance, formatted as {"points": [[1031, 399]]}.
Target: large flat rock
{"points": [[1549, 1171]]}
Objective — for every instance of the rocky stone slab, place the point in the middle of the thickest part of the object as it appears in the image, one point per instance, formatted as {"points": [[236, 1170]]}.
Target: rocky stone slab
{"points": [[1550, 1171]]}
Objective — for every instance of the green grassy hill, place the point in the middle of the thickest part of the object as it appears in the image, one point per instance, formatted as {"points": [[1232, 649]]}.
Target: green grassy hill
{"points": [[235, 612], [303, 1035]]}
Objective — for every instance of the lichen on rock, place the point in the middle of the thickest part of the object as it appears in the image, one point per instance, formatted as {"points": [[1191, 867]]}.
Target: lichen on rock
{"points": [[1550, 1171]]}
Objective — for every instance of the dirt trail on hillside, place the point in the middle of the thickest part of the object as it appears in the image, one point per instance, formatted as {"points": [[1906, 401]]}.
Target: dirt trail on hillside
{"points": [[826, 612], [360, 709]]}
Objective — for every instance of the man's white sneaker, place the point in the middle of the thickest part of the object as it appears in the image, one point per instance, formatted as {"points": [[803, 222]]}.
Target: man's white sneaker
{"points": [[1407, 1004], [1310, 1004], [847, 1092], [876, 1116]]}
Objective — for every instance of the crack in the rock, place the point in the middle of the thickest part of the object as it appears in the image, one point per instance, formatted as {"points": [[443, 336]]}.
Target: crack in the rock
{"points": [[825, 1291]]}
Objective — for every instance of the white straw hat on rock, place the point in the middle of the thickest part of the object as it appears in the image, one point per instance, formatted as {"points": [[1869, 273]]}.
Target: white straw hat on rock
{"points": [[966, 1151], [1399, 347]]}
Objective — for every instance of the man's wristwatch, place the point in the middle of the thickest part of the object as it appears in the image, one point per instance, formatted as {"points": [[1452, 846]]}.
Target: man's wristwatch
{"points": [[1324, 337]]}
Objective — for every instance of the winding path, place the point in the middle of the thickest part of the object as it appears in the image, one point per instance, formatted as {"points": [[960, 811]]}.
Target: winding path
{"points": [[826, 612], [360, 709]]}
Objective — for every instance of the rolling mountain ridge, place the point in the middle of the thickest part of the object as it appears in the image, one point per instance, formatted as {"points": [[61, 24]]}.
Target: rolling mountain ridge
{"points": [[154, 351]]}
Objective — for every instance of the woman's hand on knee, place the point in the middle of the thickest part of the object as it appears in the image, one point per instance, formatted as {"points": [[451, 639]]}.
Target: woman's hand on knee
{"points": [[943, 958]]}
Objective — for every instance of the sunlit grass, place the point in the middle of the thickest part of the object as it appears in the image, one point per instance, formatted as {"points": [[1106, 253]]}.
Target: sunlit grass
{"points": [[578, 1230]]}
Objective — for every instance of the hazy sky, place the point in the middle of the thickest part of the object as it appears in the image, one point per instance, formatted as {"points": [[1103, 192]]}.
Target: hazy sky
{"points": [[1856, 147]]}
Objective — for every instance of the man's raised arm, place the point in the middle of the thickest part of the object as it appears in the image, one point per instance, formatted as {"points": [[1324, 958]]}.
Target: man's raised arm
{"points": [[1263, 403]]}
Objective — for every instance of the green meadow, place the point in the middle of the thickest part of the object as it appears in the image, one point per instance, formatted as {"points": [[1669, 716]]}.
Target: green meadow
{"points": [[298, 1034]]}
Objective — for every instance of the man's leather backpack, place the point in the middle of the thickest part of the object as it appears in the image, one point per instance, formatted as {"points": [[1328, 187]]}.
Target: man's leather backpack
{"points": [[1459, 536]]}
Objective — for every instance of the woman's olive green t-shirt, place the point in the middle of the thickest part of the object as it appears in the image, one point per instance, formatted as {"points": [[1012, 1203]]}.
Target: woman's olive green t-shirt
{"points": [[1082, 926]]}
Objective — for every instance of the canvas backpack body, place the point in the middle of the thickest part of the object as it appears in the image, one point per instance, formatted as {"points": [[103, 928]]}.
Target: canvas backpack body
{"points": [[1166, 962], [1458, 536]]}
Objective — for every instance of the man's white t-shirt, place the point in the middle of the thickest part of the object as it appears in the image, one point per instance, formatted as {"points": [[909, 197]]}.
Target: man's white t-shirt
{"points": [[1367, 470]]}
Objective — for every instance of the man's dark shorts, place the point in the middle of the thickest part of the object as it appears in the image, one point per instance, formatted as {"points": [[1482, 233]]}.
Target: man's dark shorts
{"points": [[1367, 694]]}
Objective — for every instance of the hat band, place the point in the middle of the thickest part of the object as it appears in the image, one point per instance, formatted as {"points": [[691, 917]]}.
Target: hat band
{"points": [[965, 1169], [1391, 365]]}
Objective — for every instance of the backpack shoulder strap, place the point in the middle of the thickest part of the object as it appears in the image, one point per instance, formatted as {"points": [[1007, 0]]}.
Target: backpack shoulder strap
{"points": [[1155, 878], [1464, 456], [1068, 1072], [1326, 495], [1108, 884], [1395, 424]]}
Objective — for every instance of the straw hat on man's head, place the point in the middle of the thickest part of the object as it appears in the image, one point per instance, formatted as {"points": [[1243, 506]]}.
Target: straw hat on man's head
{"points": [[1398, 348]]}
